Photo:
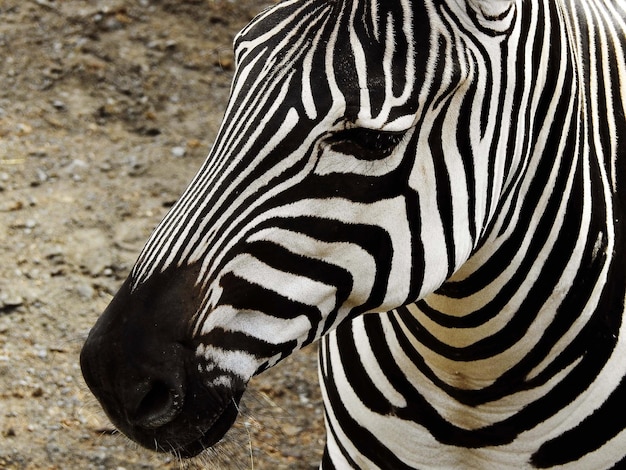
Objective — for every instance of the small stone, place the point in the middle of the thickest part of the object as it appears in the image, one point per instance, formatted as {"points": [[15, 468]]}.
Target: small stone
{"points": [[42, 176], [291, 430], [10, 301], [59, 105], [178, 152], [137, 166], [76, 169], [55, 255], [11, 206], [41, 353], [24, 129], [89, 251], [85, 291]]}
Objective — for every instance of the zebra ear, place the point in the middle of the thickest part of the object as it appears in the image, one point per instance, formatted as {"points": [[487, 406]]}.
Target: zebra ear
{"points": [[494, 16]]}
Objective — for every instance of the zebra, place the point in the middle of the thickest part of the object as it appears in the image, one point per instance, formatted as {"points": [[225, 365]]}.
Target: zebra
{"points": [[433, 189]]}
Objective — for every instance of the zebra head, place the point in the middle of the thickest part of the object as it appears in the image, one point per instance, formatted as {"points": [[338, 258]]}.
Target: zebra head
{"points": [[353, 129]]}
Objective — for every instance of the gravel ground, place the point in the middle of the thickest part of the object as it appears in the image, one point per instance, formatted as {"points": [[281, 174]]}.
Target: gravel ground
{"points": [[107, 108]]}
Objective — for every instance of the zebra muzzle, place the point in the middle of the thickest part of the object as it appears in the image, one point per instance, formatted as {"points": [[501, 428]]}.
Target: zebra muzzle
{"points": [[140, 364]]}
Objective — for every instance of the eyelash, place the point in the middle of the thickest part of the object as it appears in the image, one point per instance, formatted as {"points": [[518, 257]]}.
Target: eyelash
{"points": [[366, 144]]}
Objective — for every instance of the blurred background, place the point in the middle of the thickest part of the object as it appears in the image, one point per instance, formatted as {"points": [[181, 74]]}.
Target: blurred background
{"points": [[107, 109]]}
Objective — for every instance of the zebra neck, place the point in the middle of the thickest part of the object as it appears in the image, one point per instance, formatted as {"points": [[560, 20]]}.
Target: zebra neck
{"points": [[538, 280]]}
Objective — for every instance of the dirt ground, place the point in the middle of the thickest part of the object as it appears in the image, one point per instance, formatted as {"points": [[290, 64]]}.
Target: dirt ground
{"points": [[107, 108]]}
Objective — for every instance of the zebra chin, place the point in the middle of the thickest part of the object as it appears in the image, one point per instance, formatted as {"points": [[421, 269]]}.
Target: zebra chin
{"points": [[142, 366]]}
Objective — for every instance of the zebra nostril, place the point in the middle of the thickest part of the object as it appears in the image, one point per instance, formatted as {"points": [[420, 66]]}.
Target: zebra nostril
{"points": [[159, 406]]}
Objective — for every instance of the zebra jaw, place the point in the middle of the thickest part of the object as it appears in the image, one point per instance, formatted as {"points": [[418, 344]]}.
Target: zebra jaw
{"points": [[148, 376]]}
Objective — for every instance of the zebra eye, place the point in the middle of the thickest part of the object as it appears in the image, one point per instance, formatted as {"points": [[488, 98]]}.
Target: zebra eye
{"points": [[365, 144]]}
